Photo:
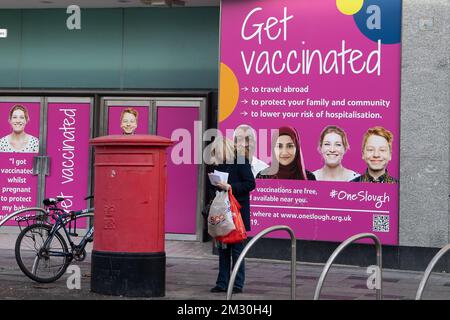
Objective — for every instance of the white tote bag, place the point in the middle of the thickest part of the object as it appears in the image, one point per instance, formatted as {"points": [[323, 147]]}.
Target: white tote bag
{"points": [[220, 218]]}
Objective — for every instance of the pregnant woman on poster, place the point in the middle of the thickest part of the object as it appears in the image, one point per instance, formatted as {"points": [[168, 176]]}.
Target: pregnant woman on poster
{"points": [[287, 157], [333, 145], [18, 140]]}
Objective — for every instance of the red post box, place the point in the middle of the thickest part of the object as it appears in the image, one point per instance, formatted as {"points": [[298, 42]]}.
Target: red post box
{"points": [[129, 198]]}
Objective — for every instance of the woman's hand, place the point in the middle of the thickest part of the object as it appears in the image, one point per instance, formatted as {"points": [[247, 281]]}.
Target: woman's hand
{"points": [[224, 186]]}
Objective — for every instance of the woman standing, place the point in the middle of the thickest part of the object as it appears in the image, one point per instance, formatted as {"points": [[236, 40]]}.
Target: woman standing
{"points": [[242, 182], [287, 157], [18, 140], [333, 145]]}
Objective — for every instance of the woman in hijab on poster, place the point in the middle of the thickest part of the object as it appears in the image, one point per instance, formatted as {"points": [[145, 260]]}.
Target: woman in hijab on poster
{"points": [[18, 140], [242, 182], [287, 157], [333, 145]]}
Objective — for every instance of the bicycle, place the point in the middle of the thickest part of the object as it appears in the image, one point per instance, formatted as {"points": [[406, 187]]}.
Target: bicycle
{"points": [[42, 252]]}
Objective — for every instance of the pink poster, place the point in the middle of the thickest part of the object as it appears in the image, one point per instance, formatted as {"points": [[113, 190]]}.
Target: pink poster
{"points": [[19, 143], [319, 84], [68, 133], [182, 178], [127, 120]]}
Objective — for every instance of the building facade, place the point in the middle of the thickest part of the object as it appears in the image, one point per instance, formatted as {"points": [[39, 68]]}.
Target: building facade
{"points": [[166, 61]]}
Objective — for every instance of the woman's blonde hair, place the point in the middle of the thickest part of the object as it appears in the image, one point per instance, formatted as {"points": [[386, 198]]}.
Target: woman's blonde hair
{"points": [[222, 151], [338, 131]]}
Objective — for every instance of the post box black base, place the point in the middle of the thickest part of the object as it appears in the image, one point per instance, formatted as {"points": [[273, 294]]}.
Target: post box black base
{"points": [[129, 274]]}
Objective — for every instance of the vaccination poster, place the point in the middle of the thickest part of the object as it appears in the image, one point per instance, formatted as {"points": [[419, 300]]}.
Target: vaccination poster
{"points": [[316, 87], [68, 149], [19, 144]]}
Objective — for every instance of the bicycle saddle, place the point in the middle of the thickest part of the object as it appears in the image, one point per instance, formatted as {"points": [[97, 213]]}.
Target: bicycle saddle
{"points": [[52, 201]]}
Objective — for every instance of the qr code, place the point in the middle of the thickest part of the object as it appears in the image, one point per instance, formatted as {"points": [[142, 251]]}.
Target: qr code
{"points": [[380, 223]]}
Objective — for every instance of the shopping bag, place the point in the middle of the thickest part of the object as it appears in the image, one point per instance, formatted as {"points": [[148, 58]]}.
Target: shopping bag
{"points": [[239, 234], [220, 218]]}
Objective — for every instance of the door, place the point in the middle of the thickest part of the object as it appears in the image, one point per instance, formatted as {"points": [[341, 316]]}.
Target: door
{"points": [[164, 117], [115, 111], [68, 130], [54, 162], [180, 120]]}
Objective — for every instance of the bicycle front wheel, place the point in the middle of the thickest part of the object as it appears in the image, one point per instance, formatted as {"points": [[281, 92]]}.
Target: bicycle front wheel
{"points": [[40, 262]]}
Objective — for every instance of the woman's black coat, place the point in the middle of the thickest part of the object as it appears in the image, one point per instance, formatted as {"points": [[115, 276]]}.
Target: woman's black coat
{"points": [[242, 182]]}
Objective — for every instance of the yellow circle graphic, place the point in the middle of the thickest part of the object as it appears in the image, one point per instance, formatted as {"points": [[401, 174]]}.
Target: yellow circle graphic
{"points": [[349, 7], [228, 92]]}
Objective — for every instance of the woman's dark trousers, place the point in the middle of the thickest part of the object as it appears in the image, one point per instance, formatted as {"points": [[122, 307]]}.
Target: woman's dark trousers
{"points": [[231, 253]]}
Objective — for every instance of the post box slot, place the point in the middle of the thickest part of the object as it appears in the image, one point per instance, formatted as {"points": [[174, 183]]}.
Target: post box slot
{"points": [[125, 160]]}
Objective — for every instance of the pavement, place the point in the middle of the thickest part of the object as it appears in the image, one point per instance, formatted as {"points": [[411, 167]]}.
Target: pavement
{"points": [[191, 271]]}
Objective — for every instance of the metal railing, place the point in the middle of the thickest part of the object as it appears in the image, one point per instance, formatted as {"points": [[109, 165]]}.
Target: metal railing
{"points": [[16, 213], [428, 270], [248, 247], [339, 249]]}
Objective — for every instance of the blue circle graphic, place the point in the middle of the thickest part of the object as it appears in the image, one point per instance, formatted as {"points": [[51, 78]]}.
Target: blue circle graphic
{"points": [[380, 20]]}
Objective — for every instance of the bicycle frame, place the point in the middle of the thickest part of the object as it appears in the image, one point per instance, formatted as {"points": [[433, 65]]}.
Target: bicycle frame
{"points": [[60, 223]]}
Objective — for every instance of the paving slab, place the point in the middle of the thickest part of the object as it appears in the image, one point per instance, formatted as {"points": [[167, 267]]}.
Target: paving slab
{"points": [[191, 271]]}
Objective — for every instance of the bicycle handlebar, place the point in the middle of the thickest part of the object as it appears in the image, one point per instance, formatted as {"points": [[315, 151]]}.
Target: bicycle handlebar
{"points": [[54, 201]]}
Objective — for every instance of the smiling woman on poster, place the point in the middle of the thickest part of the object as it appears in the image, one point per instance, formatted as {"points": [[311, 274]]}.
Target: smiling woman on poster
{"points": [[333, 145], [287, 157], [18, 140]]}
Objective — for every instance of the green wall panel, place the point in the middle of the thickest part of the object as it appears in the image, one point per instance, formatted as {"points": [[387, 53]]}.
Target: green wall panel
{"points": [[54, 56], [10, 49], [171, 48], [150, 48]]}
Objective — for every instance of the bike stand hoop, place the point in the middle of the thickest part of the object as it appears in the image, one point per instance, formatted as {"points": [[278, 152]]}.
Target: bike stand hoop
{"points": [[249, 246], [339, 249]]}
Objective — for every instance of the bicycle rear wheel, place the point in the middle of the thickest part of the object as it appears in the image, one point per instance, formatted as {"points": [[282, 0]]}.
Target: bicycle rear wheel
{"points": [[39, 263]]}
